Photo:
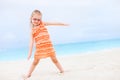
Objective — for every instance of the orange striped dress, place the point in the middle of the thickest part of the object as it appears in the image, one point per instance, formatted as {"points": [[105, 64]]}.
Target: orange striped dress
{"points": [[44, 47]]}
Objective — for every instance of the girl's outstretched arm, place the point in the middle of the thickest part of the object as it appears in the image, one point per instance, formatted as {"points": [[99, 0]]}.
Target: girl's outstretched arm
{"points": [[30, 46], [55, 24]]}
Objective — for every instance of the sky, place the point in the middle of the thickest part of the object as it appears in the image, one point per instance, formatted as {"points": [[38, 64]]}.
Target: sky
{"points": [[89, 20]]}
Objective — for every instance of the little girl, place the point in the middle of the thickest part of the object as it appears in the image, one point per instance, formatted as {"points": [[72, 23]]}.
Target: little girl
{"points": [[44, 47]]}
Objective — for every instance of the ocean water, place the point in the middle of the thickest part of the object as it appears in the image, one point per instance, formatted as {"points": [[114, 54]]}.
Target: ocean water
{"points": [[63, 49]]}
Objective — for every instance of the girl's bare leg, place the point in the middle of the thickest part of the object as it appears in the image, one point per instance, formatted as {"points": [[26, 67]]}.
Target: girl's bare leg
{"points": [[32, 67], [55, 61]]}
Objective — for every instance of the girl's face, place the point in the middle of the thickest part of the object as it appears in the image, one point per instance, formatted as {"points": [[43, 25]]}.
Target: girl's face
{"points": [[36, 19]]}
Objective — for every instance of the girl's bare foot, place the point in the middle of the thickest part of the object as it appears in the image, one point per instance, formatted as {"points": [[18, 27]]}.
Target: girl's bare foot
{"points": [[25, 77], [61, 71]]}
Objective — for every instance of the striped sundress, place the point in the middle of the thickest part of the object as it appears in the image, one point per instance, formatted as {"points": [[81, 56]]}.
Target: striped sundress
{"points": [[44, 47]]}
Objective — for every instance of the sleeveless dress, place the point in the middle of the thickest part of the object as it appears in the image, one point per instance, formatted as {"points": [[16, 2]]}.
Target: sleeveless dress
{"points": [[44, 47]]}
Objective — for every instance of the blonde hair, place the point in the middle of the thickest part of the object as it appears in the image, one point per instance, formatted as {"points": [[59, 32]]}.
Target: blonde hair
{"points": [[33, 13]]}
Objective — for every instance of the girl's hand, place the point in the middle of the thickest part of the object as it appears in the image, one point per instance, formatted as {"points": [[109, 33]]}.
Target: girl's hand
{"points": [[29, 56]]}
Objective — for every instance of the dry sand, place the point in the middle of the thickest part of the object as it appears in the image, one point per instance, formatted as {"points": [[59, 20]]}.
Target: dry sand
{"points": [[97, 65]]}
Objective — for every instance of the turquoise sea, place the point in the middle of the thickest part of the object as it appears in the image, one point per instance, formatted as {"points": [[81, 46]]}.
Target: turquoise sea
{"points": [[63, 49]]}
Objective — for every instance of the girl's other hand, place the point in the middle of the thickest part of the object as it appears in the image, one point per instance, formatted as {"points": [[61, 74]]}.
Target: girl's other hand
{"points": [[66, 25]]}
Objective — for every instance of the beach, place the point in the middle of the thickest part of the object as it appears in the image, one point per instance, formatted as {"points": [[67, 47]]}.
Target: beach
{"points": [[95, 65]]}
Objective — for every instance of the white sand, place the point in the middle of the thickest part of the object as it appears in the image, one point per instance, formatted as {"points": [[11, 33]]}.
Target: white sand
{"points": [[99, 65]]}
